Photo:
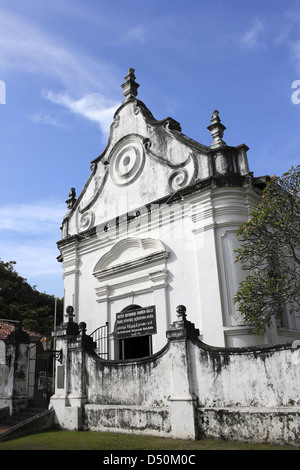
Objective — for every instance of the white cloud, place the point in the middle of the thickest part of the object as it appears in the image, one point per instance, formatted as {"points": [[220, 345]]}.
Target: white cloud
{"points": [[252, 37], [45, 118], [287, 34], [28, 235], [28, 48], [135, 34], [36, 261], [33, 259], [92, 106], [37, 218], [295, 53]]}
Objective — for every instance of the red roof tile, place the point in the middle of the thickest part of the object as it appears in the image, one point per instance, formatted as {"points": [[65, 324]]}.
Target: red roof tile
{"points": [[6, 328]]}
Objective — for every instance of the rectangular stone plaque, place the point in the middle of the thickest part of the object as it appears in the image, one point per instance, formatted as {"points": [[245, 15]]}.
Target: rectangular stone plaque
{"points": [[60, 376]]}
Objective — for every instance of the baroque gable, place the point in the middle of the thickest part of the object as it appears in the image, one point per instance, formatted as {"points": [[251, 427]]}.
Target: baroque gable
{"points": [[146, 160]]}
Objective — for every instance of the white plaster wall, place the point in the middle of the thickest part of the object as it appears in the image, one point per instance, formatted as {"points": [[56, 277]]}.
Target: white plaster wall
{"points": [[6, 383], [200, 235], [186, 390], [141, 380], [138, 167], [266, 378]]}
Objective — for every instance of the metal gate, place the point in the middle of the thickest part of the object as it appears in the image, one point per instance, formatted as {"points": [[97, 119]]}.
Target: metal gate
{"points": [[40, 376], [100, 337]]}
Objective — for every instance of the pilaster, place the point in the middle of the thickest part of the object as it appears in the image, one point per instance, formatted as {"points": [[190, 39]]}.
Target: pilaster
{"points": [[18, 342], [182, 401]]}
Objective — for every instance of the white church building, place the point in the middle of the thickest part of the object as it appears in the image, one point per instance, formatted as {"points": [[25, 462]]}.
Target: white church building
{"points": [[155, 227]]}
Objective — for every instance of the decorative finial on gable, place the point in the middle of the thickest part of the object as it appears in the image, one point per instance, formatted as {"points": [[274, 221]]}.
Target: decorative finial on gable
{"points": [[217, 130], [72, 198], [130, 86]]}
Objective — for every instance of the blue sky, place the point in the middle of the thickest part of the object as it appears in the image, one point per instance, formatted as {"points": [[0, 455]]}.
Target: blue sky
{"points": [[61, 67]]}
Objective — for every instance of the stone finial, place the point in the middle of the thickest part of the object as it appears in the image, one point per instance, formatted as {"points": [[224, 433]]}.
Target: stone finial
{"points": [[181, 313], [70, 313], [130, 86], [216, 129], [71, 326], [82, 328], [72, 198], [182, 328]]}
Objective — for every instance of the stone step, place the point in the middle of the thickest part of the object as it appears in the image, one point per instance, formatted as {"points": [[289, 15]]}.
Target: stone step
{"points": [[17, 418], [26, 422]]}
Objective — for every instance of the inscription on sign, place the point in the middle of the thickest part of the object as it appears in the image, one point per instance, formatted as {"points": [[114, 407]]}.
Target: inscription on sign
{"points": [[139, 322]]}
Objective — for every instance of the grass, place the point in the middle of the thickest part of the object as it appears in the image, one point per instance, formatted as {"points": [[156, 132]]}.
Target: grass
{"points": [[89, 440]]}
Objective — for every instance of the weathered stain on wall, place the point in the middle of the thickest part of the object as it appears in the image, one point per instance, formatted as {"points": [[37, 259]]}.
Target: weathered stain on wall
{"points": [[267, 376], [14, 371], [188, 390], [140, 379]]}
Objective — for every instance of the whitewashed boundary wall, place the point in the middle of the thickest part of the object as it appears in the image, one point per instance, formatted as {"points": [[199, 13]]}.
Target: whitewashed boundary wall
{"points": [[14, 370], [250, 394], [187, 390]]}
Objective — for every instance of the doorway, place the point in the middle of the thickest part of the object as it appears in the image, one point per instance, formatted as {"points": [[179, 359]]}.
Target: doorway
{"points": [[137, 346], [134, 348]]}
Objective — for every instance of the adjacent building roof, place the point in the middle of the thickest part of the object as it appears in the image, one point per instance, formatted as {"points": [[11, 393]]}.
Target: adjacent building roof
{"points": [[8, 327]]}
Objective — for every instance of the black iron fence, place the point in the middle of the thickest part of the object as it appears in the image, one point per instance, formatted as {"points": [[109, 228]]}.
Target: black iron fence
{"points": [[100, 337]]}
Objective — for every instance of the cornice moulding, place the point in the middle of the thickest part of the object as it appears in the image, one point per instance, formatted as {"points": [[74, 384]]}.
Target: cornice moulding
{"points": [[133, 265]]}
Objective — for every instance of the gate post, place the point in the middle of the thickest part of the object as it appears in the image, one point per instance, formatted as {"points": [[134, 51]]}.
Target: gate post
{"points": [[17, 369], [68, 396], [182, 401]]}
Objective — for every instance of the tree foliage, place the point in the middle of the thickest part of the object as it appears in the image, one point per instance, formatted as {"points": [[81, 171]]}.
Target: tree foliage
{"points": [[20, 301], [270, 251]]}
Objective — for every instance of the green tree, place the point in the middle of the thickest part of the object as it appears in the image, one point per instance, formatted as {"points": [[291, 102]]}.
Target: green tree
{"points": [[20, 301], [270, 251]]}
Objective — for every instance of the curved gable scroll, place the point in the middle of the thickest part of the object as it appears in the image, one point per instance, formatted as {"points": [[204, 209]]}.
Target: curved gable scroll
{"points": [[128, 254]]}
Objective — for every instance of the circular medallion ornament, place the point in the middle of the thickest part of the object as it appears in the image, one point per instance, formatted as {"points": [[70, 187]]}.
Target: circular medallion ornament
{"points": [[127, 162], [178, 179], [87, 220]]}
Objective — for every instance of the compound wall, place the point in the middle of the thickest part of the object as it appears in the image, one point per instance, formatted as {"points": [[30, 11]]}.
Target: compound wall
{"points": [[187, 390]]}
